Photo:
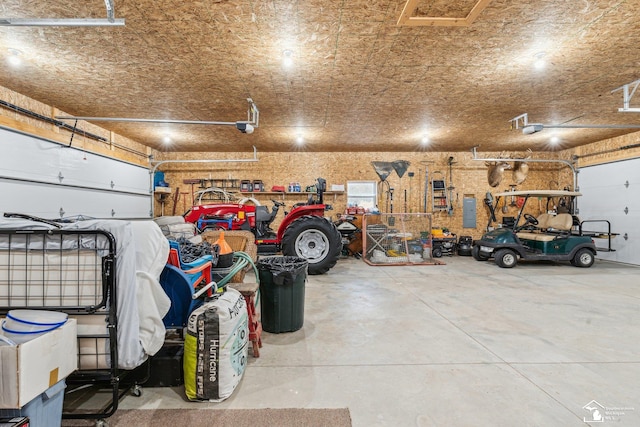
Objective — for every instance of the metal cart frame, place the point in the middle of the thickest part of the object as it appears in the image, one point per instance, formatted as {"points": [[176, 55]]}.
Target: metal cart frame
{"points": [[73, 271]]}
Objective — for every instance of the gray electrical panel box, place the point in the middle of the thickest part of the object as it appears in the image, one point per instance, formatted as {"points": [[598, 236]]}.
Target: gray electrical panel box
{"points": [[469, 212]]}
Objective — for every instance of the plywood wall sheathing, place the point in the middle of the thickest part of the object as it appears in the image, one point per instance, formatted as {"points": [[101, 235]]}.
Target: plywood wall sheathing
{"points": [[610, 150], [469, 177]]}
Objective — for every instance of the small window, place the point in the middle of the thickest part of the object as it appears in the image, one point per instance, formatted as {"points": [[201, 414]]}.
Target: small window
{"points": [[362, 193]]}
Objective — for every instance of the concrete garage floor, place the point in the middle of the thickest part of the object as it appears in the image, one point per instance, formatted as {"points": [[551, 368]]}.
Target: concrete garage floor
{"points": [[465, 344]]}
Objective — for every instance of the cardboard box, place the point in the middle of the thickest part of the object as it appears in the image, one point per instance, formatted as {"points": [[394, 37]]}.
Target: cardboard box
{"points": [[31, 368]]}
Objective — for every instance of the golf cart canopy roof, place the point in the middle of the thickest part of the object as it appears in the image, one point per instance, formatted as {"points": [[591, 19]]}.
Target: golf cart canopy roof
{"points": [[539, 193]]}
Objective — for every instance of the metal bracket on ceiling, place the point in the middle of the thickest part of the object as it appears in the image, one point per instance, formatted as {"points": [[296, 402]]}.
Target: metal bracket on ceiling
{"points": [[253, 114], [70, 22], [522, 121], [628, 91]]}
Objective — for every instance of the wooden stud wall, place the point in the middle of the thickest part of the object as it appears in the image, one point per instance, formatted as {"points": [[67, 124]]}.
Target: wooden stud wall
{"points": [[117, 146], [610, 150]]}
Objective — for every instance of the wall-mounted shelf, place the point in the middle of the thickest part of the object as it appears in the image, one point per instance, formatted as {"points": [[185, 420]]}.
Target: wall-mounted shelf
{"points": [[299, 194], [222, 183], [162, 190]]}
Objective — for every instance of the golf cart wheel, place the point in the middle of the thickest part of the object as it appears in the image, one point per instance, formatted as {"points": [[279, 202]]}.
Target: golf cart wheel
{"points": [[315, 239], [475, 252], [583, 258], [506, 258]]}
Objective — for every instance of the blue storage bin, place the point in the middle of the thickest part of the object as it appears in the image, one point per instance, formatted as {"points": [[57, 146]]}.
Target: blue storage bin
{"points": [[158, 179], [44, 410]]}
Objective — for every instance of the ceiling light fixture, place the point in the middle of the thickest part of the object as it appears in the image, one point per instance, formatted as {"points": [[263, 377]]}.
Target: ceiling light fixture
{"points": [[425, 139], [540, 62], [166, 139], [287, 60], [299, 139], [14, 57], [554, 140]]}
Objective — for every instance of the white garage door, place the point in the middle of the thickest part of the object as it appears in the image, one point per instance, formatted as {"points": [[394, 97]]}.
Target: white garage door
{"points": [[49, 180], [612, 191]]}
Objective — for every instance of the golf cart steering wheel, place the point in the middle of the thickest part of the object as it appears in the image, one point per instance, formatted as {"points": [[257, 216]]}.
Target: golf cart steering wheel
{"points": [[531, 219]]}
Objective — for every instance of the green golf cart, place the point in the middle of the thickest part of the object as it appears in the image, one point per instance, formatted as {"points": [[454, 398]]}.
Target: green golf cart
{"points": [[551, 236]]}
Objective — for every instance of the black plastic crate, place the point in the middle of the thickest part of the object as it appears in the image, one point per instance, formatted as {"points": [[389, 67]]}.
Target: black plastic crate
{"points": [[166, 367]]}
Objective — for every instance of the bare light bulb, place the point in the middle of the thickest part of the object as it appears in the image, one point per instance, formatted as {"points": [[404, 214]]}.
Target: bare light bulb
{"points": [[287, 60], [540, 62], [14, 57]]}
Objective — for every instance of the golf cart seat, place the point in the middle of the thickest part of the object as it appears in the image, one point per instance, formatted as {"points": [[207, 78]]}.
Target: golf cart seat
{"points": [[546, 222]]}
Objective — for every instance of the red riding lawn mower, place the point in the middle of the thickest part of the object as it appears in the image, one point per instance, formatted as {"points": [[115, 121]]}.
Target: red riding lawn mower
{"points": [[304, 232]]}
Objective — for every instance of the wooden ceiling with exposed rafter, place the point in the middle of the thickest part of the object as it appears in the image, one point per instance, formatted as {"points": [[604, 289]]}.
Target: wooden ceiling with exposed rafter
{"points": [[366, 75]]}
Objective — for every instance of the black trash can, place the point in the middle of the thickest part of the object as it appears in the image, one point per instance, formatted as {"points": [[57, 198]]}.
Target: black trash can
{"points": [[282, 282]]}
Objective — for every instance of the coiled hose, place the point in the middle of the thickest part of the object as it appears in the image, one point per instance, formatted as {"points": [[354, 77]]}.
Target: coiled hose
{"points": [[240, 261]]}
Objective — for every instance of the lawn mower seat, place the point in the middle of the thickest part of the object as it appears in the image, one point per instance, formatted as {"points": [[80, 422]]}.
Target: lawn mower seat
{"points": [[262, 214]]}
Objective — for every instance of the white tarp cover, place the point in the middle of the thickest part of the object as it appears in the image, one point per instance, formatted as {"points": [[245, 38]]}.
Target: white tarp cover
{"points": [[141, 253]]}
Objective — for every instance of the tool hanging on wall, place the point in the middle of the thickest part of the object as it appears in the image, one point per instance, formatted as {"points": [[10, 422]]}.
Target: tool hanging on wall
{"points": [[176, 197], [191, 182], [411, 174], [426, 188], [426, 183], [451, 187], [392, 219], [488, 201], [184, 201], [401, 166], [383, 170], [405, 200]]}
